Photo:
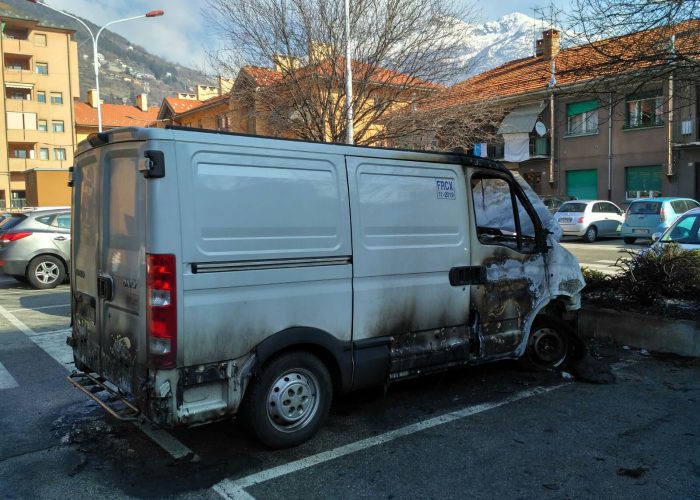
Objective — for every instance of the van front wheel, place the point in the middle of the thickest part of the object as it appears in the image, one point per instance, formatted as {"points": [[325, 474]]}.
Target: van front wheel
{"points": [[287, 404], [550, 345]]}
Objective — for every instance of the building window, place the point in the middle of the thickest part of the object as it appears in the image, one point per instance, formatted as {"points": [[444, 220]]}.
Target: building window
{"points": [[643, 182], [59, 153], [41, 68], [22, 151], [645, 110], [43, 153], [42, 126], [41, 96], [582, 117], [18, 94], [57, 126], [40, 39], [56, 98]]}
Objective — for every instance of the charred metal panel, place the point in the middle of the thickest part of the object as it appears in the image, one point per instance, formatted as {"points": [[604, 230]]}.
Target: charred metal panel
{"points": [[415, 352]]}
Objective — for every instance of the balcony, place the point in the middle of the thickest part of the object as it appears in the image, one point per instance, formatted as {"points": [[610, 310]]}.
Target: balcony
{"points": [[685, 131]]}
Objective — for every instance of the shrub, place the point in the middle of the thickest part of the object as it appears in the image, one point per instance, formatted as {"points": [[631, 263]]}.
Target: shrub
{"points": [[666, 272]]}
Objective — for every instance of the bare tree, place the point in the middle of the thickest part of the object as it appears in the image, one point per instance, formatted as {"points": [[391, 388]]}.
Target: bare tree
{"points": [[402, 50], [630, 43], [440, 127]]}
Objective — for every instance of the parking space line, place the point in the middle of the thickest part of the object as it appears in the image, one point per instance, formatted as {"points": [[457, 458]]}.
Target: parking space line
{"points": [[53, 343], [36, 308], [235, 489], [7, 381]]}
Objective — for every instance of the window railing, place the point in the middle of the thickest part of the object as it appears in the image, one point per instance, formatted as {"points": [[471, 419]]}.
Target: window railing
{"points": [[18, 202]]}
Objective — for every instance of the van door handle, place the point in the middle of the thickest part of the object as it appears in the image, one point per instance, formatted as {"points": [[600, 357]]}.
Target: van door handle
{"points": [[60, 238], [467, 275], [105, 287]]}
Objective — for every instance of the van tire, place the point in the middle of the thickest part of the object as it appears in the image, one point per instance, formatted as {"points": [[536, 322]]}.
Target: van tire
{"points": [[551, 344], [590, 235], [629, 240], [300, 383], [45, 271]]}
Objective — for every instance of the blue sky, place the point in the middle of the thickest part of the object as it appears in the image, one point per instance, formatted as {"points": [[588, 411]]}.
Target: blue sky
{"points": [[181, 34]]}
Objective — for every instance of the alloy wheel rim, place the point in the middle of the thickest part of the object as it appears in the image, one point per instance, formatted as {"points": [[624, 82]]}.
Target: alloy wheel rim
{"points": [[46, 272]]}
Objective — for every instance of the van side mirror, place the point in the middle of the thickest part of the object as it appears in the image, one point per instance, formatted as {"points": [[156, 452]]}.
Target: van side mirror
{"points": [[656, 236]]}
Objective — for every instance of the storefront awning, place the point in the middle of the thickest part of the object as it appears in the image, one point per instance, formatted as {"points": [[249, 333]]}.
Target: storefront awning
{"points": [[522, 119]]}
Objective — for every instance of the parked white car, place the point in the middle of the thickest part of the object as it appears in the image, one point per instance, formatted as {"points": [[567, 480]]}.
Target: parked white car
{"points": [[590, 219]]}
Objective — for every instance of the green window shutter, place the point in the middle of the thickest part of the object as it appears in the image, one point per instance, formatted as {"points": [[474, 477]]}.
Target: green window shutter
{"points": [[576, 108], [583, 184], [643, 178]]}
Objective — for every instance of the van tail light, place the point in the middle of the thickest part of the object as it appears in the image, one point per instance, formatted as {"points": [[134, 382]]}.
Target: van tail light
{"points": [[580, 220], [161, 311], [662, 215], [8, 237]]}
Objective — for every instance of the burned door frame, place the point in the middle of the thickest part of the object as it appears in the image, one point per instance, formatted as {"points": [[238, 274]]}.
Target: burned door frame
{"points": [[514, 265]]}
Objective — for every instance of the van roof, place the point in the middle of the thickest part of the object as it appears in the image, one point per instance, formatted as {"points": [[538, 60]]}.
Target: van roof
{"points": [[125, 134]]}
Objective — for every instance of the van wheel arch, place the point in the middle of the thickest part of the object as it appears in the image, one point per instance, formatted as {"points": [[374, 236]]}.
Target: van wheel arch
{"points": [[334, 353]]}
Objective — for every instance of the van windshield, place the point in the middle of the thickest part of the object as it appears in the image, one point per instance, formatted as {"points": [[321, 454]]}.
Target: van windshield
{"points": [[572, 207], [645, 207]]}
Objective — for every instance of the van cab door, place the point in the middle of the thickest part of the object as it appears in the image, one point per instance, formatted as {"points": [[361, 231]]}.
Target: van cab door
{"points": [[508, 242], [409, 231]]}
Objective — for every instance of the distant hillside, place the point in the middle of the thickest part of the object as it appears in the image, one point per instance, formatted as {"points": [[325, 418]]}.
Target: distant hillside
{"points": [[126, 69]]}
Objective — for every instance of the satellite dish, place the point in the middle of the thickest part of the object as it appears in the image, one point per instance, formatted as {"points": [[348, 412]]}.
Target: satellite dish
{"points": [[540, 128]]}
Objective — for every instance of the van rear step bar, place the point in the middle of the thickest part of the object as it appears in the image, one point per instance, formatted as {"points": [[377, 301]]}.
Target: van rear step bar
{"points": [[114, 403]]}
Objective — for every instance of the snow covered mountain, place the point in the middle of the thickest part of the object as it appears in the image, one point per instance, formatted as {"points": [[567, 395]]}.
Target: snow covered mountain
{"points": [[493, 43]]}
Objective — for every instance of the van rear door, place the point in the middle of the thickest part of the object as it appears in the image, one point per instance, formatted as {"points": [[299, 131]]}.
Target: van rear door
{"points": [[108, 265]]}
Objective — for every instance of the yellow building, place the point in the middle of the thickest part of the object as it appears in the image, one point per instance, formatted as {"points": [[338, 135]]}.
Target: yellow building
{"points": [[39, 81]]}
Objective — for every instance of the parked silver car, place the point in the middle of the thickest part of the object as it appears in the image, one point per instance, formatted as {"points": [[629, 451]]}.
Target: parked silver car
{"points": [[590, 219], [35, 246]]}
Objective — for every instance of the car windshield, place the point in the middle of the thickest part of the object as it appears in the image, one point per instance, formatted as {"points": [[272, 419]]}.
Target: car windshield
{"points": [[686, 230], [572, 207], [645, 207]]}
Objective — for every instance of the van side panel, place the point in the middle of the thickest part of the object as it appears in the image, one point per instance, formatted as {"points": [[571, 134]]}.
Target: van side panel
{"points": [[409, 229], [267, 247]]}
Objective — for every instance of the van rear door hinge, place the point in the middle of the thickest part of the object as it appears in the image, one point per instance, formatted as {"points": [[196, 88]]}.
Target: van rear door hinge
{"points": [[154, 165]]}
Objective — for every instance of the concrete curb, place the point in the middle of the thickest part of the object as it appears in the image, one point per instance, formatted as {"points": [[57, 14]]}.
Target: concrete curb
{"points": [[653, 333]]}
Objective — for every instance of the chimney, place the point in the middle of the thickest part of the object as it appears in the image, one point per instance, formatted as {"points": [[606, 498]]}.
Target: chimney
{"points": [[92, 97], [142, 102], [551, 39]]}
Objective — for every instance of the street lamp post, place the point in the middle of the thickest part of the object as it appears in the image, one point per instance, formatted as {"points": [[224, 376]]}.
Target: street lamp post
{"points": [[95, 38]]}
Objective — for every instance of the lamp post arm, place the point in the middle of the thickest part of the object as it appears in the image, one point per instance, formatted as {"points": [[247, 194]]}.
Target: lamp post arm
{"points": [[72, 17], [99, 32]]}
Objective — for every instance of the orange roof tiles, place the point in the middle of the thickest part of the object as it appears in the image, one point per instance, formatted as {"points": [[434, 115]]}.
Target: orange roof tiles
{"points": [[182, 105], [574, 65], [114, 115]]}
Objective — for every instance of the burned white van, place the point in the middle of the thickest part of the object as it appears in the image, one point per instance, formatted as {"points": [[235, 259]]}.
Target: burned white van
{"points": [[216, 274]]}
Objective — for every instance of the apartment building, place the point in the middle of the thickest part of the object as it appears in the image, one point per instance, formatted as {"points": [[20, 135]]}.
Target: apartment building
{"points": [[638, 138], [39, 81]]}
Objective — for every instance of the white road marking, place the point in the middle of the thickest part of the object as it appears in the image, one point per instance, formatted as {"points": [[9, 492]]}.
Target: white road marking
{"points": [[7, 381], [22, 309], [234, 489], [54, 343]]}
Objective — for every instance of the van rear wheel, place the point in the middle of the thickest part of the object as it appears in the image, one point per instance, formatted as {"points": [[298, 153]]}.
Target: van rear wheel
{"points": [[287, 404], [551, 344]]}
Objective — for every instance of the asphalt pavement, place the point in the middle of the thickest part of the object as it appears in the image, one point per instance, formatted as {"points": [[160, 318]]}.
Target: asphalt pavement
{"points": [[489, 431]]}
